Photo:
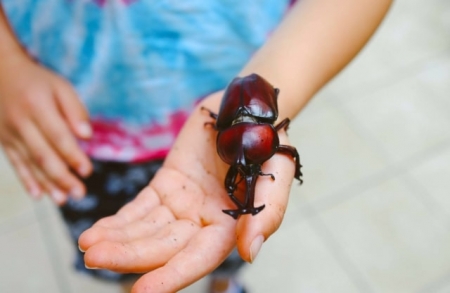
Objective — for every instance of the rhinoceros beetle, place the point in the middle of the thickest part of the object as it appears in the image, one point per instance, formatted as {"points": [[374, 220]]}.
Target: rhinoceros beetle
{"points": [[247, 137]]}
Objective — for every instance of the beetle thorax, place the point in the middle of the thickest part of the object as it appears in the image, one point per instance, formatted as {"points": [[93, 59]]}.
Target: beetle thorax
{"points": [[244, 118]]}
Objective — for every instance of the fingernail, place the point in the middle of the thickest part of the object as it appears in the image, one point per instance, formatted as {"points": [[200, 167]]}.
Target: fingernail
{"points": [[77, 192], [91, 268], [255, 247], [83, 170], [58, 196], [80, 249], [35, 192], [84, 129]]}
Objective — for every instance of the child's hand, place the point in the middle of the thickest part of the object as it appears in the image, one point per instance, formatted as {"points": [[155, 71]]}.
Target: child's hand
{"points": [[175, 229], [40, 118]]}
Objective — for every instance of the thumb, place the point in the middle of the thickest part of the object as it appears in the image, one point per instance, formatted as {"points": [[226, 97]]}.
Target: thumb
{"points": [[252, 231], [73, 110]]}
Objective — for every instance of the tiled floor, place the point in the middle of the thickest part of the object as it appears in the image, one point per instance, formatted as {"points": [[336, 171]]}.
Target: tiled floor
{"points": [[374, 212]]}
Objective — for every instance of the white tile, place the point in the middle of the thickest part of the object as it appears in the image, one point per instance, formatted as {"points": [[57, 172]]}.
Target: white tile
{"points": [[296, 260], [435, 74], [402, 119], [332, 154], [14, 202], [397, 244], [26, 267], [10, 182], [442, 285], [414, 31], [433, 176]]}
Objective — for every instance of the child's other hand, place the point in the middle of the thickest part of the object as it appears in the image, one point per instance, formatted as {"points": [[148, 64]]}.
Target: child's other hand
{"points": [[40, 118], [175, 230]]}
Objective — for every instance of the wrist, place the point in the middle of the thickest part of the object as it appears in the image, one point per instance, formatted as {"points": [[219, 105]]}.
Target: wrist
{"points": [[212, 101], [13, 61], [10, 48]]}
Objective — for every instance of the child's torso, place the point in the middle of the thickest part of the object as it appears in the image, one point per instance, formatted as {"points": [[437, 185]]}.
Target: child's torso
{"points": [[140, 66]]}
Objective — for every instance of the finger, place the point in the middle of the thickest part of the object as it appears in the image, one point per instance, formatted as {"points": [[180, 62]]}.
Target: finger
{"points": [[44, 184], [252, 231], [73, 110], [201, 256], [46, 159], [24, 173], [58, 134], [141, 206], [143, 254], [146, 227], [58, 196]]}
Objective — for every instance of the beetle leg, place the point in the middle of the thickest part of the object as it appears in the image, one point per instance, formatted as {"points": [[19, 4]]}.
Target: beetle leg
{"points": [[230, 179], [290, 150], [233, 213], [283, 124], [277, 92], [236, 201], [231, 189], [268, 174], [211, 113], [248, 207], [250, 196], [231, 183]]}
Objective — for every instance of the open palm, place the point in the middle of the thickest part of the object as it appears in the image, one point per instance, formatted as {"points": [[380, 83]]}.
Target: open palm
{"points": [[175, 230]]}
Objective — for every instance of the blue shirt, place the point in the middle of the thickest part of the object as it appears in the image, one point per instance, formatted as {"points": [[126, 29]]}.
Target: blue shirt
{"points": [[140, 66]]}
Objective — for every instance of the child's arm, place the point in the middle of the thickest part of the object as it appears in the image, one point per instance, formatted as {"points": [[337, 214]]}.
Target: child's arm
{"points": [[39, 116], [315, 41]]}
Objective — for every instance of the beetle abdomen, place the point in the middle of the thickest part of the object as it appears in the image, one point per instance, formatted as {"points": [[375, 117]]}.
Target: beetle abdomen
{"points": [[247, 143]]}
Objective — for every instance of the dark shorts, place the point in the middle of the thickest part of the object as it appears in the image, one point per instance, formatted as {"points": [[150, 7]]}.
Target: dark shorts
{"points": [[110, 187]]}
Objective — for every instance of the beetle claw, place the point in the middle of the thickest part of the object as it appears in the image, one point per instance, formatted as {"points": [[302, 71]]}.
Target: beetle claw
{"points": [[236, 213], [233, 213]]}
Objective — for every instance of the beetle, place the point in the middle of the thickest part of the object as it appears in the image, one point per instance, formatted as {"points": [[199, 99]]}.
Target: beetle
{"points": [[247, 137]]}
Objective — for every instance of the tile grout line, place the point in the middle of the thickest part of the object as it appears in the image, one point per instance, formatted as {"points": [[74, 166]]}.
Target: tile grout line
{"points": [[399, 167], [398, 75], [439, 103], [390, 171], [424, 197], [338, 253]]}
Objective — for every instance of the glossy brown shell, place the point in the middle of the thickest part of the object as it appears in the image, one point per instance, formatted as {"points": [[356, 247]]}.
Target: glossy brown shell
{"points": [[247, 143], [251, 96]]}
